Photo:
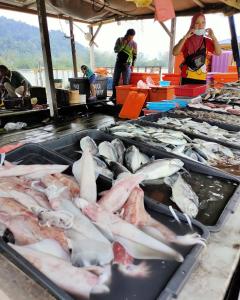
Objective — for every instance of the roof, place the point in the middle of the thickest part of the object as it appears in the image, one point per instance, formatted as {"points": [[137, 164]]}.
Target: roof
{"points": [[96, 11]]}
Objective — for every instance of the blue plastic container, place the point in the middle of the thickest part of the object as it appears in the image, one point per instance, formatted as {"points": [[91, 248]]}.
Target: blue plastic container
{"points": [[164, 83], [180, 102], [161, 106]]}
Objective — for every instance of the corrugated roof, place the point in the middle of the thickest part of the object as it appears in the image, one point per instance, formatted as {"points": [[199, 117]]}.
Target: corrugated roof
{"points": [[95, 11]]}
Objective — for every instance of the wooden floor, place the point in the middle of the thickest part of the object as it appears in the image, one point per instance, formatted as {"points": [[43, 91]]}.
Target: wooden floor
{"points": [[44, 133]]}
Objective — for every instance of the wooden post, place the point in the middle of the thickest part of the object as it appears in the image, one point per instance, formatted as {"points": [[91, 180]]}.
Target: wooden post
{"points": [[234, 43], [47, 59], [92, 59], [74, 58], [172, 42]]}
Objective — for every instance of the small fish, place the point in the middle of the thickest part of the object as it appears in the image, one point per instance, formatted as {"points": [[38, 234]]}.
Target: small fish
{"points": [[120, 149], [107, 150], [88, 143], [134, 158], [160, 168], [183, 195], [117, 168]]}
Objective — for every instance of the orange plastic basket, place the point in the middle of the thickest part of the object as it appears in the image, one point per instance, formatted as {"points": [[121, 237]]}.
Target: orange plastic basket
{"points": [[162, 93], [135, 77], [139, 90], [122, 93]]}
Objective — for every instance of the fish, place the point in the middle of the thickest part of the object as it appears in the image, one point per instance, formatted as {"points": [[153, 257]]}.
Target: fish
{"points": [[161, 168], [134, 212], [183, 195], [120, 149], [137, 243], [107, 150], [117, 168], [115, 198], [76, 281], [87, 143], [134, 158]]}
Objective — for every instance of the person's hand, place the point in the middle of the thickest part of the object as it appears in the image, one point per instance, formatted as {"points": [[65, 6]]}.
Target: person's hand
{"points": [[210, 33], [189, 33]]}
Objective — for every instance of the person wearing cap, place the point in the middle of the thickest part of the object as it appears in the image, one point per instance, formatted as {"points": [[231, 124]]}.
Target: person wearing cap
{"points": [[126, 49], [13, 83], [195, 45]]}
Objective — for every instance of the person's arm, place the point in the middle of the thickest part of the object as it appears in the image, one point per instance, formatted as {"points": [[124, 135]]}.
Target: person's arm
{"points": [[217, 47], [134, 54], [177, 49], [119, 45]]}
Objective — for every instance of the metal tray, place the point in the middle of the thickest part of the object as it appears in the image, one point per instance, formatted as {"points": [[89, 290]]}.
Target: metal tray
{"points": [[201, 175], [152, 121], [154, 118], [167, 277]]}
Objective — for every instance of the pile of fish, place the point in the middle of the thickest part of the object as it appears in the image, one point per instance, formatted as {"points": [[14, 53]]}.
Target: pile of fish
{"points": [[228, 95], [213, 116], [57, 224], [203, 128], [218, 107], [114, 161], [179, 143]]}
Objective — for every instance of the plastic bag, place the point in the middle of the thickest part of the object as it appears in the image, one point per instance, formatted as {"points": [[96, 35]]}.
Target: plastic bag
{"points": [[13, 126], [150, 82], [142, 85]]}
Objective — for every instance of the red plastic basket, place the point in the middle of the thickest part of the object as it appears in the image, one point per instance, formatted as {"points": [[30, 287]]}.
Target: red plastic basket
{"points": [[190, 90]]}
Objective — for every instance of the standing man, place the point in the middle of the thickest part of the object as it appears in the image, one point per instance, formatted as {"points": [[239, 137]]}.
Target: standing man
{"points": [[126, 49], [13, 82]]}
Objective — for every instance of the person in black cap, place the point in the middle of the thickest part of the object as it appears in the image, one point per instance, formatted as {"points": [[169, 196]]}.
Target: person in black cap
{"points": [[126, 49], [13, 83]]}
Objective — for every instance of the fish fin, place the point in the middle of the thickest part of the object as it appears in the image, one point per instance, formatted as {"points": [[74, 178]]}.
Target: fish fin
{"points": [[139, 251]]}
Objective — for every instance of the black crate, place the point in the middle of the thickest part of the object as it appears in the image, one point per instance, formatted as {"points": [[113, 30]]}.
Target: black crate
{"points": [[167, 278]]}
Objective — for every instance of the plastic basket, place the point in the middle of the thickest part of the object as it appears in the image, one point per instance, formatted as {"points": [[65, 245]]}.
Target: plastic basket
{"points": [[190, 90], [162, 93], [172, 77], [122, 93], [135, 77]]}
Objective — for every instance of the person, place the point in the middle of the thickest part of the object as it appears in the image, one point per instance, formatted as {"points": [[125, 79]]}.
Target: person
{"points": [[13, 83], [126, 49], [87, 72], [194, 46]]}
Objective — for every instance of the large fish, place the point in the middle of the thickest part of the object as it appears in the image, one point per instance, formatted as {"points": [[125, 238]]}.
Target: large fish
{"points": [[107, 150], [118, 168], [137, 243], [161, 168], [120, 149], [76, 281], [183, 195]]}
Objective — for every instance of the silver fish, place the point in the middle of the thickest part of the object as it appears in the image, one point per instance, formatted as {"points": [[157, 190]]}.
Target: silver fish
{"points": [[88, 143], [183, 195], [120, 149], [107, 150], [134, 158]]}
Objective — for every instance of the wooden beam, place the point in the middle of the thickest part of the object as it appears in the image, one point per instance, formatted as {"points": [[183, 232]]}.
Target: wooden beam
{"points": [[29, 4], [95, 35], [232, 3], [73, 48], [198, 2], [47, 59], [91, 52], [172, 43], [34, 12]]}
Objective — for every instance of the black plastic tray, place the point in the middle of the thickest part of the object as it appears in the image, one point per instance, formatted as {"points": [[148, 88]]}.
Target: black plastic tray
{"points": [[155, 117], [70, 144], [167, 277], [152, 121]]}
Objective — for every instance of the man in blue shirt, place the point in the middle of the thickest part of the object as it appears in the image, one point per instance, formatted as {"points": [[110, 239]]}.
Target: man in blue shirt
{"points": [[13, 83]]}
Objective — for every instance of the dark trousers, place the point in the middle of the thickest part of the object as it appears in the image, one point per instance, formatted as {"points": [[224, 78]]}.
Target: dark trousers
{"points": [[120, 69]]}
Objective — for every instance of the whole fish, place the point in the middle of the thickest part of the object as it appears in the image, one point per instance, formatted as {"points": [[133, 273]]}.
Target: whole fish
{"points": [[134, 158], [87, 143], [183, 195], [107, 150], [161, 168], [120, 149]]}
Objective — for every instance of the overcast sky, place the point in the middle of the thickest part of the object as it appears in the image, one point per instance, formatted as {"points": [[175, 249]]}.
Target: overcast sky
{"points": [[150, 35]]}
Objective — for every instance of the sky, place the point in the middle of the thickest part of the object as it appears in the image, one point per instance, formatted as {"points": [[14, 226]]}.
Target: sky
{"points": [[150, 36]]}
